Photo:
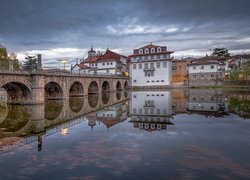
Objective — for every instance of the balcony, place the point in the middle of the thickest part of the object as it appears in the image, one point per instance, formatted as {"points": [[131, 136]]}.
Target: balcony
{"points": [[149, 69]]}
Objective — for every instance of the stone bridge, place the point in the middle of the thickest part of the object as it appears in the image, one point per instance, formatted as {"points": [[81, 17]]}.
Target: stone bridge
{"points": [[34, 88]]}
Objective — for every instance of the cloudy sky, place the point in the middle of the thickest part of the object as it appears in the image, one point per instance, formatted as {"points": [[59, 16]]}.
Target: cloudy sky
{"points": [[67, 28]]}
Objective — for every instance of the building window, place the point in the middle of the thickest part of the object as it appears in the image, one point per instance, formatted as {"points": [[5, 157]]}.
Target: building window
{"points": [[152, 73], [152, 50], [151, 111], [134, 110], [159, 49], [107, 71], [152, 57], [212, 67], [146, 50], [202, 76], [158, 57], [140, 51], [194, 76], [211, 108], [212, 75], [164, 64], [146, 57], [103, 64], [194, 98], [140, 57], [140, 66], [111, 63], [158, 111], [202, 67], [140, 111], [194, 67], [164, 56], [134, 81], [146, 65], [96, 64], [162, 80], [107, 63], [134, 66], [151, 65], [158, 64]]}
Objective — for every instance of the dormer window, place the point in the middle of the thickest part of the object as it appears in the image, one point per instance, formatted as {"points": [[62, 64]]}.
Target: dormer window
{"points": [[152, 50], [159, 49], [146, 50], [140, 51]]}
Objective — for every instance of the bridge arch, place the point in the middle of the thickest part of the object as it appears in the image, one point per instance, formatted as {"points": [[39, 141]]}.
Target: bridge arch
{"points": [[76, 104], [118, 86], [118, 95], [105, 86], [93, 100], [105, 98], [18, 92], [126, 85], [53, 109], [93, 88], [76, 89], [53, 91]]}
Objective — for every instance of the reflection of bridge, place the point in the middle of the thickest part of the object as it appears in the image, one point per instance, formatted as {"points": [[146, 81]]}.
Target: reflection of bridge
{"points": [[34, 88], [61, 113]]}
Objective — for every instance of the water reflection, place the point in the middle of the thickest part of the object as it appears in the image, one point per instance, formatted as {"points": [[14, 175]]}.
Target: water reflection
{"points": [[207, 102], [53, 109], [179, 139], [76, 104], [93, 100], [110, 116], [17, 117], [151, 110], [118, 95], [105, 98]]}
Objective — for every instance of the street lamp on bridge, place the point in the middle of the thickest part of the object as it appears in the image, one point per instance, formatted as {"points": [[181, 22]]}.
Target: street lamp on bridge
{"points": [[64, 62]]}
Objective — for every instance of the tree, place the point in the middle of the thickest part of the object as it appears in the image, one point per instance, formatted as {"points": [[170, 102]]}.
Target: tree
{"points": [[221, 52], [30, 63]]}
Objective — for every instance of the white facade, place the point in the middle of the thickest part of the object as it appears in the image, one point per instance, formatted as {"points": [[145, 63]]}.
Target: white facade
{"points": [[151, 66], [151, 110], [204, 68]]}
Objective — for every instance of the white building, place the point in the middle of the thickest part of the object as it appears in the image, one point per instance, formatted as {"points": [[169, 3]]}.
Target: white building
{"points": [[151, 66], [110, 63], [207, 71], [151, 110]]}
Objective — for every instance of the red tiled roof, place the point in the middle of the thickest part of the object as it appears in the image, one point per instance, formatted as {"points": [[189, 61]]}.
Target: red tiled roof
{"points": [[91, 59], [200, 62], [83, 66], [109, 56]]}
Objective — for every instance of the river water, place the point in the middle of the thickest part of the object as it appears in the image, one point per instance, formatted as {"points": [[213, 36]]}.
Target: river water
{"points": [[177, 134]]}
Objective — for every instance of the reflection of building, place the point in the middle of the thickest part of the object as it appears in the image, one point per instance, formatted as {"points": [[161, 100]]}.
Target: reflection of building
{"points": [[151, 66], [151, 110], [109, 116], [207, 102], [179, 101], [3, 95]]}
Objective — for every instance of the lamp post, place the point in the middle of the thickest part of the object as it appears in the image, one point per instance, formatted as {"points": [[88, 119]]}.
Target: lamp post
{"points": [[64, 62]]}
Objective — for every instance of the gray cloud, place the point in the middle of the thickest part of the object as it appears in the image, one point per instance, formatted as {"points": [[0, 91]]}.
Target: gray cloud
{"points": [[181, 25]]}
